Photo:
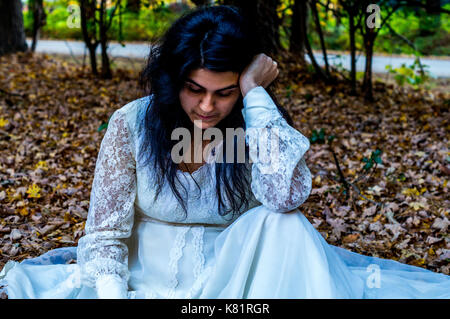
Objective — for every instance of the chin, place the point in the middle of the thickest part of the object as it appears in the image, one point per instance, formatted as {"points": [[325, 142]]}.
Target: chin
{"points": [[206, 125]]}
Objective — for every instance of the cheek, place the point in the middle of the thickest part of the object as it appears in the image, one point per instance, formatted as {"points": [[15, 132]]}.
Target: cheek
{"points": [[227, 107], [187, 101]]}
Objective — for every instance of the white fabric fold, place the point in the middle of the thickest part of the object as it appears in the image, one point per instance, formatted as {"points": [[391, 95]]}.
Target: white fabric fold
{"points": [[111, 287]]}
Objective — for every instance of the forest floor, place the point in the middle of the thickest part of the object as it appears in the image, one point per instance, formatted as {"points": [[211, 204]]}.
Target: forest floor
{"points": [[393, 154]]}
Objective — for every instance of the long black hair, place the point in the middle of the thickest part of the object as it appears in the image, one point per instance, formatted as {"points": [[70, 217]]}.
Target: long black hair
{"points": [[212, 37]]}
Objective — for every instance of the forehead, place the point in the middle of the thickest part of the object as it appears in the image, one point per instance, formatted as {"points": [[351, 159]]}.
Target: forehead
{"points": [[212, 80]]}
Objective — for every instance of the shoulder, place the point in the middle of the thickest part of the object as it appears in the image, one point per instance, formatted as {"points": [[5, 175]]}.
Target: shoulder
{"points": [[131, 111], [133, 107]]}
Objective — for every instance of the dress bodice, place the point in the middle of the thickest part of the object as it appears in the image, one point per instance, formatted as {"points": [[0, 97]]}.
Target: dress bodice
{"points": [[123, 191]]}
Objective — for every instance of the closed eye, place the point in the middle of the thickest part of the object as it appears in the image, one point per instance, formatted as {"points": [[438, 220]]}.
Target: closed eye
{"points": [[221, 94], [224, 94], [194, 90]]}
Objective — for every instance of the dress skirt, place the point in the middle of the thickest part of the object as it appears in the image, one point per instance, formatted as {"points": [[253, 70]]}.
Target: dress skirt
{"points": [[262, 254]]}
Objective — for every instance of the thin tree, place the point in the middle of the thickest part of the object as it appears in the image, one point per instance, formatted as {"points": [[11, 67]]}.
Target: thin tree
{"points": [[39, 20], [313, 5], [370, 29], [352, 10], [309, 51], [95, 23]]}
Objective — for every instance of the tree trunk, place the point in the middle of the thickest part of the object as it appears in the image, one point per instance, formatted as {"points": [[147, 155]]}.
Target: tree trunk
{"points": [[317, 68], [313, 4], [369, 41], [352, 31], [297, 40], [262, 14], [106, 68], [199, 3], [39, 20], [12, 34], [133, 5], [87, 11]]}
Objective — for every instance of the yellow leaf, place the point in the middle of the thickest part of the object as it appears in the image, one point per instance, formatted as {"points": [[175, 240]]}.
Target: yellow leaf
{"points": [[12, 195], [42, 165], [317, 180], [420, 154], [426, 225], [3, 122], [376, 218], [431, 252], [416, 205], [67, 217], [410, 192], [24, 211], [33, 191]]}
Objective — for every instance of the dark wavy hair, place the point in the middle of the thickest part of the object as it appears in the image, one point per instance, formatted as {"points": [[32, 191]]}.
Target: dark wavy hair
{"points": [[212, 37]]}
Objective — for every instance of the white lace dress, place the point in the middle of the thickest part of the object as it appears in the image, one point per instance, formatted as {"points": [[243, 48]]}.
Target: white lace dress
{"points": [[136, 247]]}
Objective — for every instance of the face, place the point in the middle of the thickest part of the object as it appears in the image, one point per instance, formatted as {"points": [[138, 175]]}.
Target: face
{"points": [[207, 97]]}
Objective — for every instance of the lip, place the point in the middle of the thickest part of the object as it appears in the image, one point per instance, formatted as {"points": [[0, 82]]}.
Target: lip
{"points": [[205, 117]]}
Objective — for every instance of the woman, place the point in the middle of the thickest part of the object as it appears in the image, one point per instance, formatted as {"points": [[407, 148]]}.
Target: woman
{"points": [[168, 226]]}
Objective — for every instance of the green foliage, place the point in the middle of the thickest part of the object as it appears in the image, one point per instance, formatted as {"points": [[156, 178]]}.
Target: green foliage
{"points": [[318, 137], [410, 74], [56, 26], [102, 127], [375, 157], [149, 24], [429, 34]]}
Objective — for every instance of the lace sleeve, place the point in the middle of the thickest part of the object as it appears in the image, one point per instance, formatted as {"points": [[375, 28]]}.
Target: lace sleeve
{"points": [[281, 180], [102, 254]]}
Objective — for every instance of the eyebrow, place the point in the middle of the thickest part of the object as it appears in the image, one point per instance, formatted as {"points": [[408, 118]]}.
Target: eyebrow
{"points": [[223, 89]]}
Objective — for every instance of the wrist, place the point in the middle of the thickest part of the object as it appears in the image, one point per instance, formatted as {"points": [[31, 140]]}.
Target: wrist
{"points": [[259, 108], [247, 86]]}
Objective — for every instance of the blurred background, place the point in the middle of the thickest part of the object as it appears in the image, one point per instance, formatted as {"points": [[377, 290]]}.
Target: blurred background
{"points": [[365, 81]]}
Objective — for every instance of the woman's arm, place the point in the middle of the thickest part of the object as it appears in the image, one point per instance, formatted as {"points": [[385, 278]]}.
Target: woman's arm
{"points": [[281, 181], [102, 254]]}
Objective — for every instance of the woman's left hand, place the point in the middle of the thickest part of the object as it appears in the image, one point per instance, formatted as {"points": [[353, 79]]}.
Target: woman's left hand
{"points": [[260, 72]]}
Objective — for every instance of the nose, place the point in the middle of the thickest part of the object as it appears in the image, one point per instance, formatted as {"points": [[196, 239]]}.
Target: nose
{"points": [[207, 104]]}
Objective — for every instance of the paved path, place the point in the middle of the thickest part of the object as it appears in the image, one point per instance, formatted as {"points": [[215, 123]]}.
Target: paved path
{"points": [[437, 67]]}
